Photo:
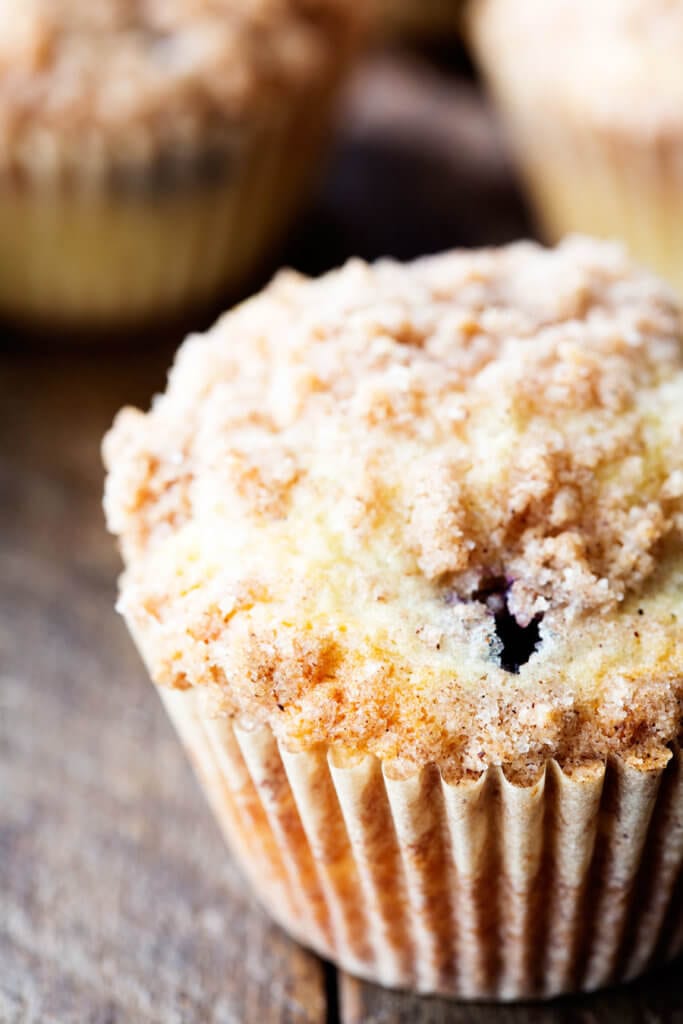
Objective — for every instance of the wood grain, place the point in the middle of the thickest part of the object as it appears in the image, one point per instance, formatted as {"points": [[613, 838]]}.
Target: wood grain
{"points": [[118, 901]]}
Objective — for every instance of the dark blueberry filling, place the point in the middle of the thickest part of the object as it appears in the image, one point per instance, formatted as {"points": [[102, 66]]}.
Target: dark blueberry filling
{"points": [[517, 642], [174, 170]]}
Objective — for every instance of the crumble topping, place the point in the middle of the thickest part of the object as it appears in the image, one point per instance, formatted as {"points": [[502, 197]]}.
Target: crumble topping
{"points": [[130, 79], [387, 505]]}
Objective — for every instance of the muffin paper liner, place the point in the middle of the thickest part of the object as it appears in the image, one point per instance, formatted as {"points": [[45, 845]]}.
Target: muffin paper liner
{"points": [[88, 253], [487, 888]]}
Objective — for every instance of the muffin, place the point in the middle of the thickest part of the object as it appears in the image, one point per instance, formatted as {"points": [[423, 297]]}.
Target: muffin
{"points": [[594, 106], [410, 584], [153, 152], [426, 20]]}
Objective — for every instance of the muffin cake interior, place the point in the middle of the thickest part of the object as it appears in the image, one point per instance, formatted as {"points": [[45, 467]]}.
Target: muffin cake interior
{"points": [[433, 511]]}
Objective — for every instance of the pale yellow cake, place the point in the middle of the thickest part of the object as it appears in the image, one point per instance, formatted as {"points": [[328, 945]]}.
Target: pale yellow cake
{"points": [[431, 512]]}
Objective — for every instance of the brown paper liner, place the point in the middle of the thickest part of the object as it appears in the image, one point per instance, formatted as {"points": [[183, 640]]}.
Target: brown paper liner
{"points": [[483, 889], [92, 255]]}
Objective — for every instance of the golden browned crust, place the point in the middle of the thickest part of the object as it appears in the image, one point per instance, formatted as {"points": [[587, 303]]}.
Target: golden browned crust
{"points": [[83, 84], [355, 487]]}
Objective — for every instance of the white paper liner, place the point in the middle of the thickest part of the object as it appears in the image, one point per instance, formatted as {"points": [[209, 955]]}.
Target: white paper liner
{"points": [[482, 889]]}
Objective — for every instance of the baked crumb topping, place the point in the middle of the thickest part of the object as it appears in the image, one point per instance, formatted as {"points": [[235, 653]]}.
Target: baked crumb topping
{"points": [[85, 83], [373, 505]]}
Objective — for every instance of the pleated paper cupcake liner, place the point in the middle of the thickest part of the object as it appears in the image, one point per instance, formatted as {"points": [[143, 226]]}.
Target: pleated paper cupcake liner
{"points": [[487, 888], [92, 255]]}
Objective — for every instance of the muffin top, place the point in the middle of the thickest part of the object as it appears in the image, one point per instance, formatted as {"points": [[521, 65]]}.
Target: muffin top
{"points": [[618, 63], [433, 511], [85, 83]]}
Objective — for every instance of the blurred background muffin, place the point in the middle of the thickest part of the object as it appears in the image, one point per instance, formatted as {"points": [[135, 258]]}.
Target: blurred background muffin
{"points": [[594, 104], [153, 152]]}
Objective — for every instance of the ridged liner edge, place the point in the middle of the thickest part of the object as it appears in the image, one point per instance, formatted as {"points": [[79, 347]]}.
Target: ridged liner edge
{"points": [[481, 889]]}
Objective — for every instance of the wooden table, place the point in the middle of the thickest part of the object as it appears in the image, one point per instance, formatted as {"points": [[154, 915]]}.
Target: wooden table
{"points": [[118, 901]]}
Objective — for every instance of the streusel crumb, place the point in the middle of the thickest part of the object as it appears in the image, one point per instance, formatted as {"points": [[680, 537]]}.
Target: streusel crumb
{"points": [[434, 510], [91, 82]]}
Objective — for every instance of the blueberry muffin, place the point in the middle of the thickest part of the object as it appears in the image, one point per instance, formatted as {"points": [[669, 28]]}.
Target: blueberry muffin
{"points": [[410, 583]]}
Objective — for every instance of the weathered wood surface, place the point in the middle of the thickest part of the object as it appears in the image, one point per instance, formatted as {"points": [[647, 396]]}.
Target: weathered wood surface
{"points": [[118, 902]]}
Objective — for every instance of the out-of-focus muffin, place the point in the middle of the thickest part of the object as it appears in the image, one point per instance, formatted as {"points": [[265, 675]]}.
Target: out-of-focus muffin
{"points": [[594, 105], [151, 153], [410, 581]]}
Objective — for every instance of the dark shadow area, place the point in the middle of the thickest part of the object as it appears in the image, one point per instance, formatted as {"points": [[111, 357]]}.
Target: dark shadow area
{"points": [[419, 166], [656, 998]]}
